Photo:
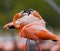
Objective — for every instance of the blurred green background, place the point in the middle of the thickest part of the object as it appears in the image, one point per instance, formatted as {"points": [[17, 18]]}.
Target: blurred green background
{"points": [[8, 8]]}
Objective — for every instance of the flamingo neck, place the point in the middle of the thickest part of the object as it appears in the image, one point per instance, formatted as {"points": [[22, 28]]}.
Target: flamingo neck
{"points": [[14, 20]]}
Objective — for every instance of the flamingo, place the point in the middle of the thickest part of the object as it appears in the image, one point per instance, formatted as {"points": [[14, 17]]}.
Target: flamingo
{"points": [[46, 45], [56, 47], [1, 43], [9, 46], [31, 25], [20, 44]]}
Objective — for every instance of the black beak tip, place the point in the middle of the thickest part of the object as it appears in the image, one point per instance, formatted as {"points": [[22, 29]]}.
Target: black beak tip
{"points": [[11, 27], [28, 10]]}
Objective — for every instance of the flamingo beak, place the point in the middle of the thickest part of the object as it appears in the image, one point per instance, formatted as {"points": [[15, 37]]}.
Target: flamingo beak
{"points": [[11, 27], [28, 11]]}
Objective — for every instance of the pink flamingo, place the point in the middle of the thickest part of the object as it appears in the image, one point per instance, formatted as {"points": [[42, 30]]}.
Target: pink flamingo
{"points": [[56, 47], [31, 25]]}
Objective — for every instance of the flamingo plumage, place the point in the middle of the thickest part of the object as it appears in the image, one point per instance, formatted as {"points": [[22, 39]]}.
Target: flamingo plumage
{"points": [[31, 25]]}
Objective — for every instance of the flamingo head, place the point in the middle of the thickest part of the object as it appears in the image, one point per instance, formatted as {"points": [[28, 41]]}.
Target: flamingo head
{"points": [[25, 17], [9, 26]]}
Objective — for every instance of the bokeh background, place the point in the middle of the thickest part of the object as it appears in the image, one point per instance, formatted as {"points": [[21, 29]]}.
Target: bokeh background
{"points": [[8, 8], [48, 9]]}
